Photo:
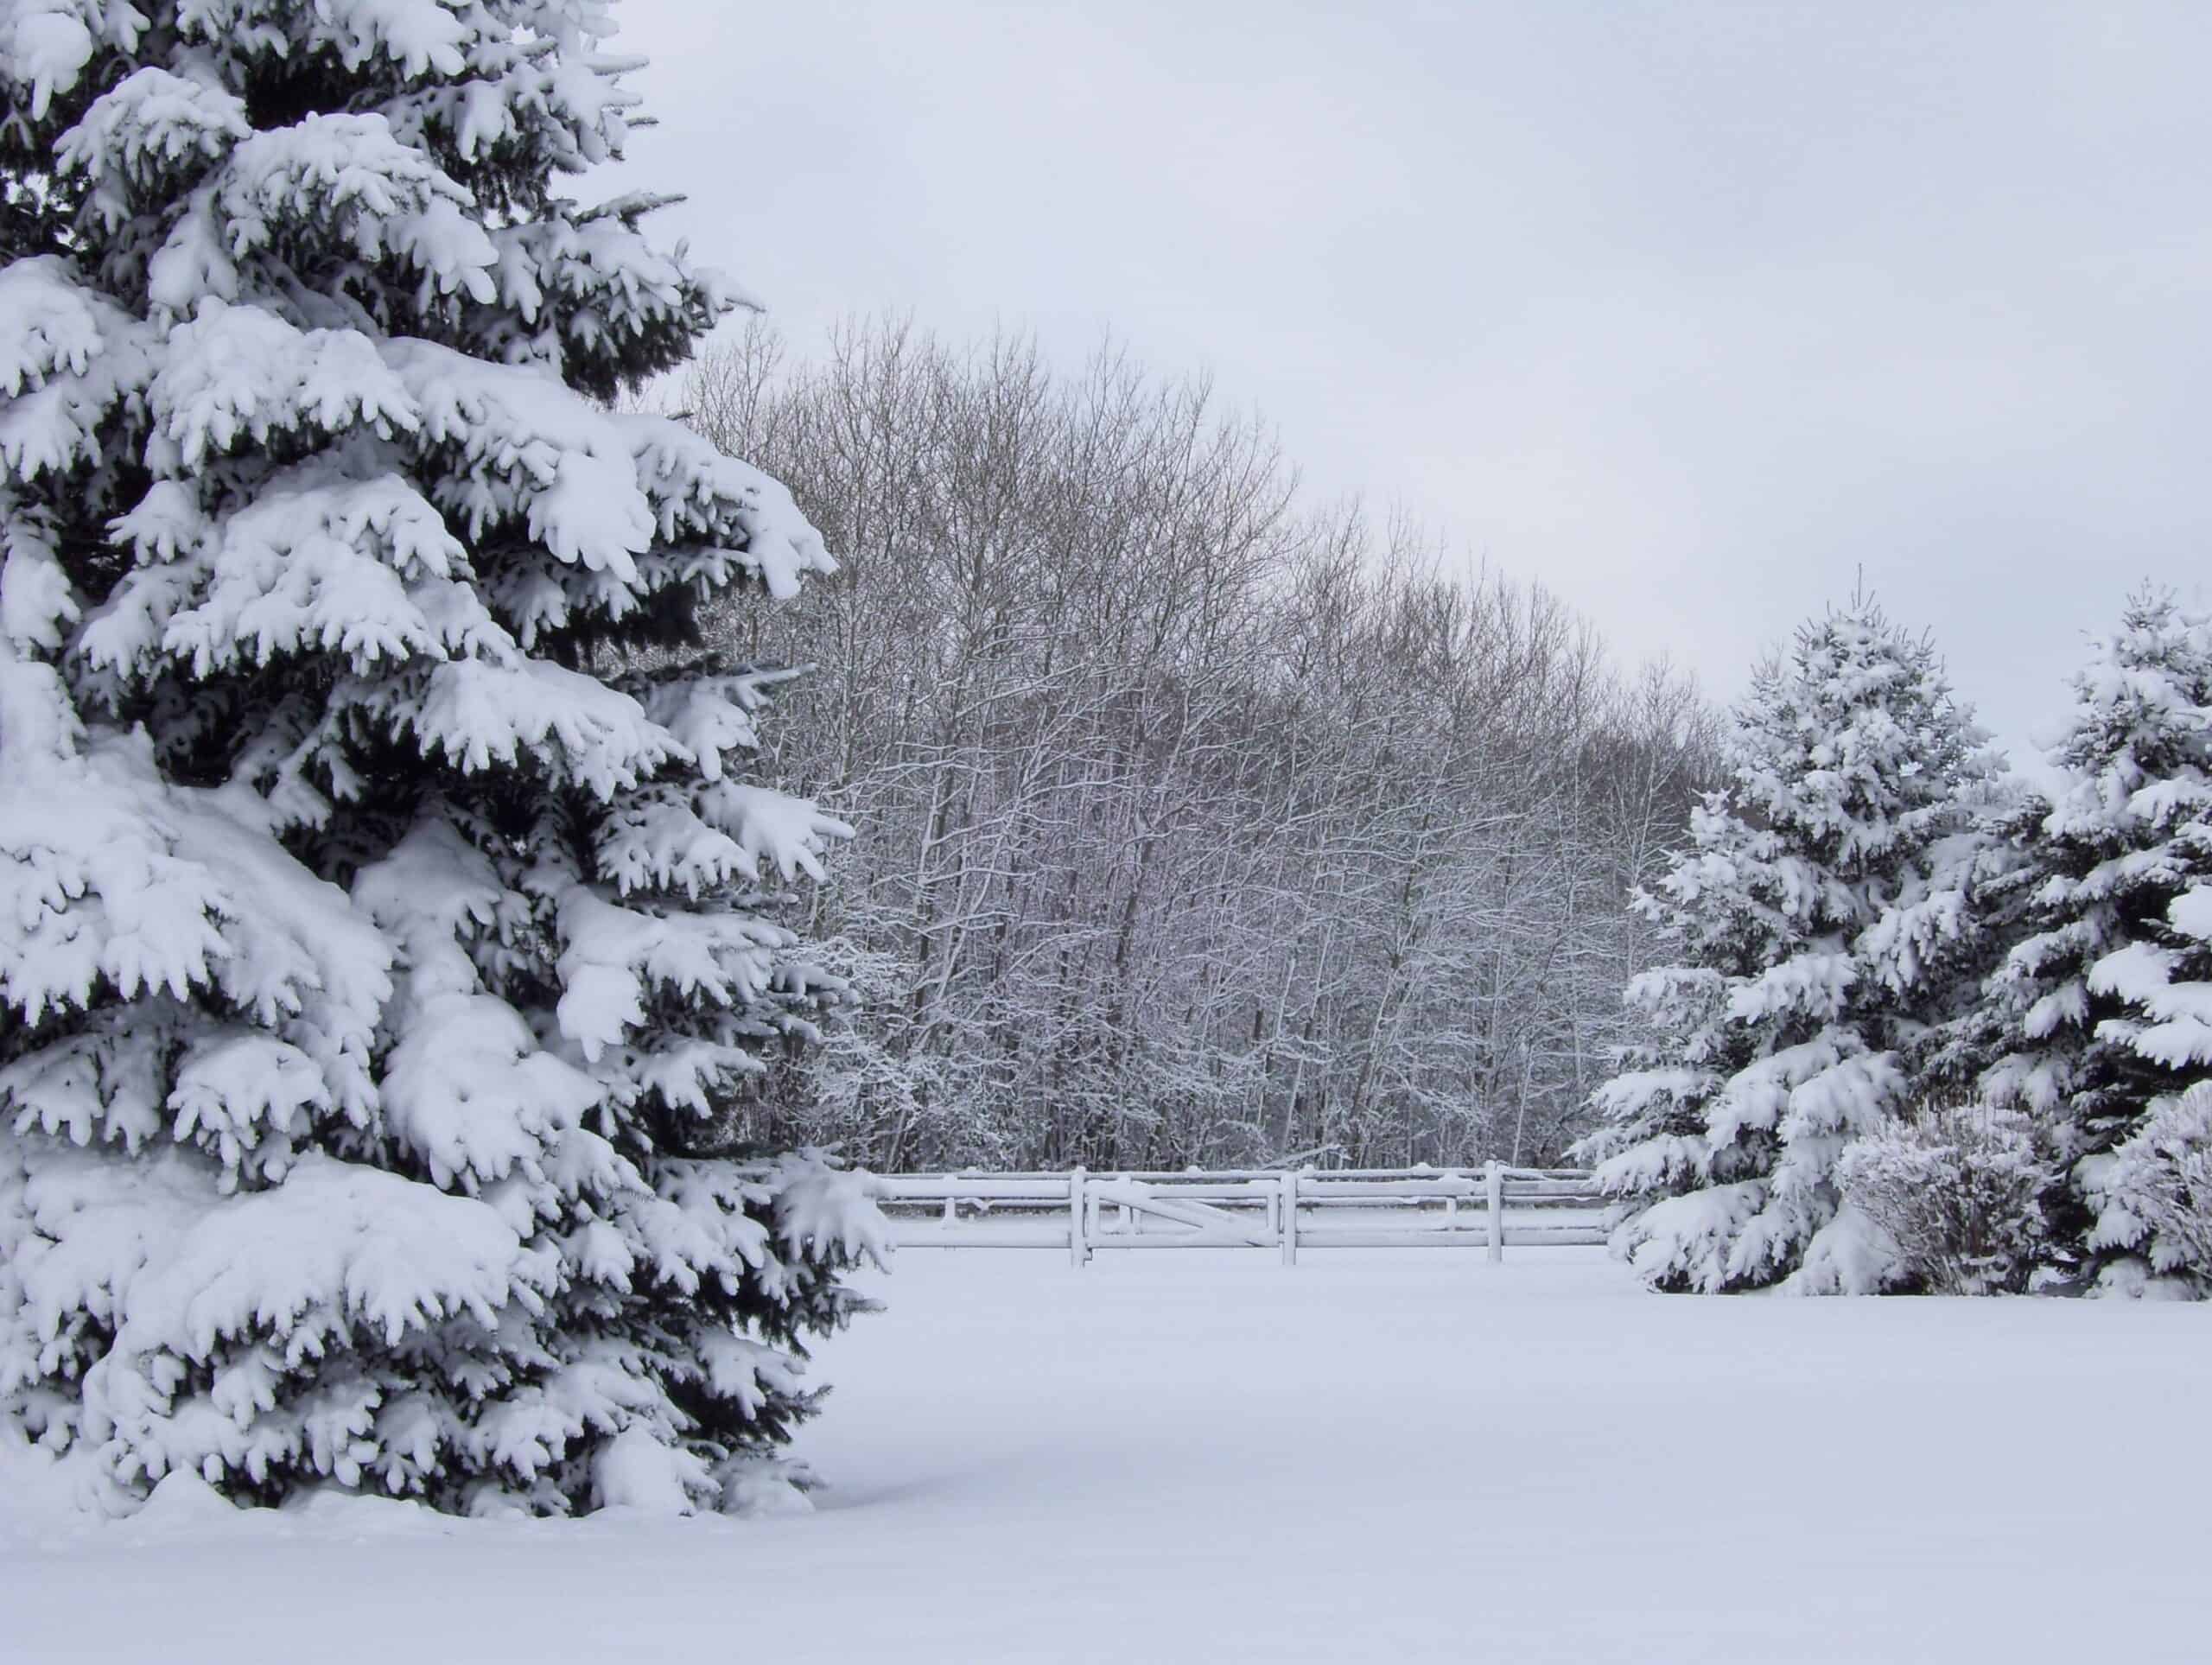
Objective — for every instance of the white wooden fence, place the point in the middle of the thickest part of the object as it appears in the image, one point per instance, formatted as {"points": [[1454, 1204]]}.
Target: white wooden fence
{"points": [[1494, 1207]]}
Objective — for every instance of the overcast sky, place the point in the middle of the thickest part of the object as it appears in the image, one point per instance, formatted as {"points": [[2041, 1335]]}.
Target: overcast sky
{"points": [[1688, 310]]}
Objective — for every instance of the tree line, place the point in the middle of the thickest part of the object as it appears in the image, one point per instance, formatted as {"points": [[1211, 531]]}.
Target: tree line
{"points": [[1197, 824]]}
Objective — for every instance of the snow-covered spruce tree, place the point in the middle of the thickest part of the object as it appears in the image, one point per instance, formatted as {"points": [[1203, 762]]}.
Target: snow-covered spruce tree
{"points": [[1821, 919], [374, 973], [2155, 1200], [2105, 1007]]}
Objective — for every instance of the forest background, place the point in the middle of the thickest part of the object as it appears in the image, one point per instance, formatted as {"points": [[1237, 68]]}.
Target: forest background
{"points": [[1198, 823]]}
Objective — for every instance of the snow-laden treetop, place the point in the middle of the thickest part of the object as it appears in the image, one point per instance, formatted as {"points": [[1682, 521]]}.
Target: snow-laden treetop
{"points": [[287, 382]]}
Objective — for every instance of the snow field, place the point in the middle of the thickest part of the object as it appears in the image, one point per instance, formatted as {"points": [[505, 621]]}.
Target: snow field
{"points": [[1374, 1456]]}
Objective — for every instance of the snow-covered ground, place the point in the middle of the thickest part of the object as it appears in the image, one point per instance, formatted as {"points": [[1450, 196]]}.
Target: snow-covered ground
{"points": [[1372, 1457]]}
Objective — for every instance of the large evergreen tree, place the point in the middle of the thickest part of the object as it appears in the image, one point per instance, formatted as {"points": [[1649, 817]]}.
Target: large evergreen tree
{"points": [[376, 964], [1819, 916], [2104, 1010]]}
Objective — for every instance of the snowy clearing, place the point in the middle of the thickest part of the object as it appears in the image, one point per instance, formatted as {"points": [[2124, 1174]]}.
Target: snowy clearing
{"points": [[1374, 1456]]}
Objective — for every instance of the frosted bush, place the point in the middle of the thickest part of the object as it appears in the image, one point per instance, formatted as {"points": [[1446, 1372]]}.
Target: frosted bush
{"points": [[1958, 1190]]}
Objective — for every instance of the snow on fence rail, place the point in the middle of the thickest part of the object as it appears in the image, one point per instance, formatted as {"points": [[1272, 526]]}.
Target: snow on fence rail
{"points": [[1494, 1206]]}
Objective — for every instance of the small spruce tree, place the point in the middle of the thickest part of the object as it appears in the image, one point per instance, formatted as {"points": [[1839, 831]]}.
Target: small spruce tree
{"points": [[2104, 1009], [1819, 919], [379, 957]]}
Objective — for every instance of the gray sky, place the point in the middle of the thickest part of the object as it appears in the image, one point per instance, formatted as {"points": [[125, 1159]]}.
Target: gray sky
{"points": [[1690, 311]]}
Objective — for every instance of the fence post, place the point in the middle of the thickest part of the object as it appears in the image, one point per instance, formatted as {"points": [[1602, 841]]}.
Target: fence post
{"points": [[1078, 1247], [1450, 1199], [1494, 1185], [1289, 1206]]}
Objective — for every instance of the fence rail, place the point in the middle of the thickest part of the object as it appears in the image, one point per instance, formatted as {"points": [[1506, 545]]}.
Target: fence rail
{"points": [[1493, 1207]]}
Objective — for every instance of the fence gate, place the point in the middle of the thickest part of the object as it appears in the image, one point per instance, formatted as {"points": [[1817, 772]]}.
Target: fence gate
{"points": [[1127, 1213]]}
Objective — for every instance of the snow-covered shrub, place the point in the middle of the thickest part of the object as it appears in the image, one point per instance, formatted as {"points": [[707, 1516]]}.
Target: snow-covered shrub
{"points": [[381, 938], [1958, 1190], [2155, 1194], [1821, 919]]}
